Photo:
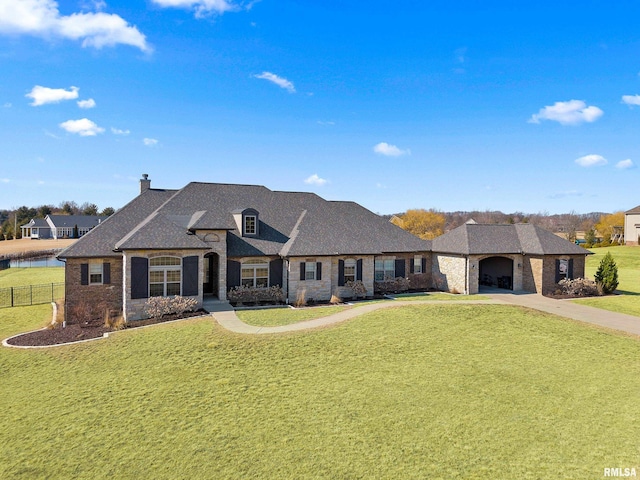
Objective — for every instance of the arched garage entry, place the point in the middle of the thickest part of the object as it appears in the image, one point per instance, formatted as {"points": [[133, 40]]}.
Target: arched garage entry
{"points": [[496, 272]]}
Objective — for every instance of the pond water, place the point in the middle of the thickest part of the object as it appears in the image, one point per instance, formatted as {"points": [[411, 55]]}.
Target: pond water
{"points": [[36, 262]]}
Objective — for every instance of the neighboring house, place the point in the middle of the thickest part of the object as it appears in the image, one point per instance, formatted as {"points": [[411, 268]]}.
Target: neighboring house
{"points": [[632, 226], [207, 238], [515, 257], [60, 226]]}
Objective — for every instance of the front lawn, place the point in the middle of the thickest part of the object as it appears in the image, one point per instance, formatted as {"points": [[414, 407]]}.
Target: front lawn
{"points": [[16, 277], [437, 391], [628, 261]]}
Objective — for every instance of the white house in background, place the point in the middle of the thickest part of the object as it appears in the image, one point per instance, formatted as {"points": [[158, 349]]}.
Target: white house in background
{"points": [[60, 226], [632, 226]]}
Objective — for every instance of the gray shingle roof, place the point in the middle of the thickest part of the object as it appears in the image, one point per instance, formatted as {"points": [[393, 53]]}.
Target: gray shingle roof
{"points": [[101, 241], [479, 239], [290, 224], [82, 221], [634, 210]]}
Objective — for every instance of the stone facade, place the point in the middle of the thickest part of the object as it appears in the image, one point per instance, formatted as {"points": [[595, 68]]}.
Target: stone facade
{"points": [[217, 241], [532, 273], [92, 299], [315, 290], [450, 273]]}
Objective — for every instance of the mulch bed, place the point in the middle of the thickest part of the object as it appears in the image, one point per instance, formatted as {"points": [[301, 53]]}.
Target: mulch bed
{"points": [[86, 331]]}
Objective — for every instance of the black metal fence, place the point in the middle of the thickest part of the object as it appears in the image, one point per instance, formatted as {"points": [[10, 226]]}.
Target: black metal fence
{"points": [[31, 295]]}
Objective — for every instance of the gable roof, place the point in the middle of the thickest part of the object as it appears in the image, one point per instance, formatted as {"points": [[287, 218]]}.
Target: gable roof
{"points": [[290, 224], [482, 239], [633, 210], [71, 221], [101, 241]]}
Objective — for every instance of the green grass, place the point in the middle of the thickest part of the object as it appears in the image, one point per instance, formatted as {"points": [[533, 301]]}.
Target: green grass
{"points": [[438, 297], [272, 317], [628, 262], [16, 277], [437, 391]]}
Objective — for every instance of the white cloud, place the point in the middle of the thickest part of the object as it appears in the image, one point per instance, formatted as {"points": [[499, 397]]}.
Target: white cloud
{"points": [[42, 18], [7, 105], [281, 82], [315, 180], [83, 127], [572, 112], [384, 148], [568, 193], [201, 7], [150, 142], [631, 99], [320, 122], [591, 161], [5, 180], [87, 103], [625, 164], [43, 95], [117, 131]]}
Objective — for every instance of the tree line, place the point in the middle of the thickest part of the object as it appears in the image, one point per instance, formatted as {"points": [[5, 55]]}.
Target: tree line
{"points": [[594, 228], [9, 219]]}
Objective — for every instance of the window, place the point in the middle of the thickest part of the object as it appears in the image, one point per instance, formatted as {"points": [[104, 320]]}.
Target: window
{"points": [[385, 270], [95, 274], [417, 264], [165, 275], [563, 269], [250, 225], [349, 271], [310, 271], [255, 273]]}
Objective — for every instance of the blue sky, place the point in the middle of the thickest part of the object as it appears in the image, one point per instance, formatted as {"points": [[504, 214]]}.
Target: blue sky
{"points": [[395, 105]]}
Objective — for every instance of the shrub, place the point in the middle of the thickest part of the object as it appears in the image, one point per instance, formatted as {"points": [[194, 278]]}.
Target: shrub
{"points": [[607, 274], [579, 287], [241, 294], [301, 298], [158, 307], [335, 299], [396, 285], [357, 287]]}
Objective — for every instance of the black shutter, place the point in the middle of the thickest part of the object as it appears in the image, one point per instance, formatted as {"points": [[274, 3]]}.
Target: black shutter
{"points": [[275, 272], [571, 268], [400, 267], [557, 270], [190, 276], [412, 265], [303, 266], [318, 270], [424, 265], [139, 277], [359, 269], [233, 274], [84, 274], [340, 273], [106, 273]]}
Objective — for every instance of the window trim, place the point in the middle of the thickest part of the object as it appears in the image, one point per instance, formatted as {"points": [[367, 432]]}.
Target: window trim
{"points": [[165, 269], [350, 263], [99, 272], [254, 265], [245, 224], [385, 270], [417, 264]]}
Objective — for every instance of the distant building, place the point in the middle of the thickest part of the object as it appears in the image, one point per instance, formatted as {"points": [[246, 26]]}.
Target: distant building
{"points": [[632, 226], [60, 226]]}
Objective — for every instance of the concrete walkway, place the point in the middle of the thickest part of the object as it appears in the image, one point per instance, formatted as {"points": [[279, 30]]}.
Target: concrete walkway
{"points": [[226, 316], [568, 309]]}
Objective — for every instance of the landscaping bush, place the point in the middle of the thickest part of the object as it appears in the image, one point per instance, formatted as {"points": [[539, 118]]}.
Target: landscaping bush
{"points": [[242, 294], [579, 287], [396, 285], [157, 307], [358, 288], [607, 274]]}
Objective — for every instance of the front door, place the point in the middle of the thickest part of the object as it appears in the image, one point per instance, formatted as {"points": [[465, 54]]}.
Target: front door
{"points": [[210, 286]]}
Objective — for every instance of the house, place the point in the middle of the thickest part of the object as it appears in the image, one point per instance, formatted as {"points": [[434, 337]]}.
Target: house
{"points": [[60, 226], [209, 239], [632, 226], [515, 257]]}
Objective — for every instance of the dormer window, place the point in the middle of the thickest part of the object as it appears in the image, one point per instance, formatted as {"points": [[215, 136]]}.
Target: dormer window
{"points": [[250, 225]]}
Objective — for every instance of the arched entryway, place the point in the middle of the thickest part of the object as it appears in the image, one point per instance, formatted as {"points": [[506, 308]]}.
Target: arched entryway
{"points": [[496, 272], [211, 275]]}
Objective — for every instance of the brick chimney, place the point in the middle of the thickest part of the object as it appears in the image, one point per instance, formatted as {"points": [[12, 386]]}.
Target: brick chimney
{"points": [[145, 183]]}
